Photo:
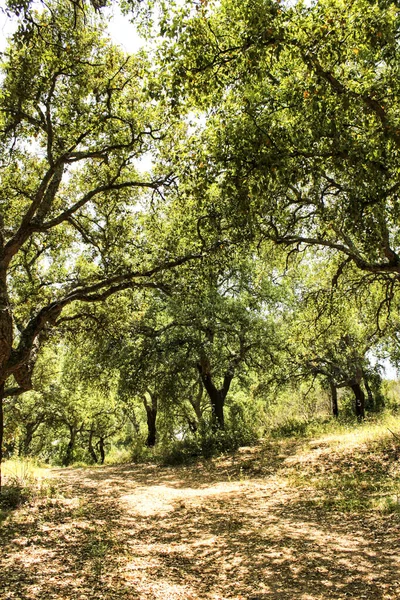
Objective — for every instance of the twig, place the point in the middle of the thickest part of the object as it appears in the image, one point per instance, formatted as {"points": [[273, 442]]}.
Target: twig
{"points": [[394, 434]]}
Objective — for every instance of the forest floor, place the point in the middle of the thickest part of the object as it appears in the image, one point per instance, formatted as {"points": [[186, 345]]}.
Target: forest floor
{"points": [[308, 519]]}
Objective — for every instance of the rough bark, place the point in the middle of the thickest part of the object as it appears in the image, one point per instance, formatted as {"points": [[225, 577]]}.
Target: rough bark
{"points": [[102, 450], [334, 399], [91, 448], [370, 402], [217, 396], [71, 445], [217, 399], [30, 429], [6, 325], [359, 400], [6, 340], [151, 413]]}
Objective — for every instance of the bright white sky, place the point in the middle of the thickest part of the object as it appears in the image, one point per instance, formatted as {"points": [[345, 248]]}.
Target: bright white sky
{"points": [[121, 30]]}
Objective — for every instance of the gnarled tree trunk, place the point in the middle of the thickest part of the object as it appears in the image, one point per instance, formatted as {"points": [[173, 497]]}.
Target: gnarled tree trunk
{"points": [[151, 413], [359, 400], [91, 448], [334, 399], [217, 396]]}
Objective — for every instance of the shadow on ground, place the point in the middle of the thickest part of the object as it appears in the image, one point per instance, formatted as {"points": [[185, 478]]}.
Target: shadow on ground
{"points": [[232, 528]]}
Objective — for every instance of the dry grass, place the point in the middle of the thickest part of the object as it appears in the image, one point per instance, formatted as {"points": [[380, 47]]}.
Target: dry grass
{"points": [[277, 521], [23, 481]]}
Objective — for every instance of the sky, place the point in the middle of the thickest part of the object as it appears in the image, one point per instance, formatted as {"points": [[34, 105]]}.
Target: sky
{"points": [[121, 30]]}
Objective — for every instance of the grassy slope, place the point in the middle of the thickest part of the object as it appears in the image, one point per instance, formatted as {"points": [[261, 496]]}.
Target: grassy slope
{"points": [[351, 468]]}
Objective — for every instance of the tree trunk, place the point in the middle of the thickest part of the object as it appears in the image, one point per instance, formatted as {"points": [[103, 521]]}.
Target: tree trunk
{"points": [[217, 400], [30, 430], [102, 450], [217, 396], [1, 431], [71, 445], [91, 449], [360, 401], [370, 403], [196, 404], [334, 399], [151, 412], [6, 339]]}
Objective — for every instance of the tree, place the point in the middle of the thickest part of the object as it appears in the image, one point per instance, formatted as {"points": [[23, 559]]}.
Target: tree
{"points": [[218, 325], [75, 115], [302, 130], [333, 338]]}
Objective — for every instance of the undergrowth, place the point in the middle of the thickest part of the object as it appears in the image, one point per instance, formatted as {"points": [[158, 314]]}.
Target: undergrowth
{"points": [[203, 444], [350, 467], [23, 481]]}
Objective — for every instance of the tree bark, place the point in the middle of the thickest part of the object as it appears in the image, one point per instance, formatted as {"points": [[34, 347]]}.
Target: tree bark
{"points": [[217, 396], [30, 430], [151, 412], [6, 339], [196, 404], [359, 400], [91, 449], [216, 400], [102, 450], [370, 403], [6, 324], [217, 405], [334, 399], [71, 445], [31, 427]]}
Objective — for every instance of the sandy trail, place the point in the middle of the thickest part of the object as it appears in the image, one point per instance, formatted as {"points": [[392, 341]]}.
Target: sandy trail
{"points": [[228, 529]]}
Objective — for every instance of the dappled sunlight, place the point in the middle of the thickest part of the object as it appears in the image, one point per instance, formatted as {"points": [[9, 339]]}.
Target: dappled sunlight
{"points": [[155, 500], [156, 533]]}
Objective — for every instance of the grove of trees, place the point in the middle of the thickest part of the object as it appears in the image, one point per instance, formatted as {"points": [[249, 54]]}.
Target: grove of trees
{"points": [[257, 258]]}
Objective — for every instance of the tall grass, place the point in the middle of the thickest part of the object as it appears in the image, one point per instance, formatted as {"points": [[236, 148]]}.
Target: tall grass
{"points": [[23, 480]]}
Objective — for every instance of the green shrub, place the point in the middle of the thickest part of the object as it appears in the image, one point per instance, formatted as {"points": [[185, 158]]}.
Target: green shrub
{"points": [[205, 443], [290, 428], [118, 456], [12, 496]]}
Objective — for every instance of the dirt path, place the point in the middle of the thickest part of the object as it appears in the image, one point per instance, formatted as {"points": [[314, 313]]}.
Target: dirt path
{"points": [[232, 529]]}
